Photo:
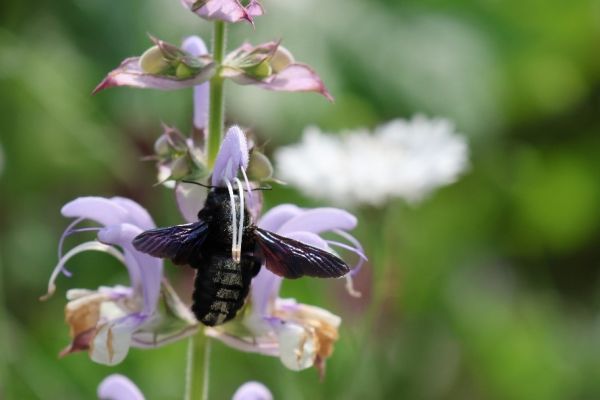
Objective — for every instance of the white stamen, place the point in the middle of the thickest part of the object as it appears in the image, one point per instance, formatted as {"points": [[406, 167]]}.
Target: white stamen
{"points": [[350, 286], [233, 222], [249, 189], [241, 225], [86, 246]]}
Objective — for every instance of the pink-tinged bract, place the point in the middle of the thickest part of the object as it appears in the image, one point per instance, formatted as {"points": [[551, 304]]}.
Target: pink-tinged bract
{"points": [[129, 73], [231, 11], [271, 66]]}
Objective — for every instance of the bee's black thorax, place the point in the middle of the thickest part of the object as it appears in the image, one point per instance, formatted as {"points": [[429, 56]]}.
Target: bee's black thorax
{"points": [[217, 210], [222, 285]]}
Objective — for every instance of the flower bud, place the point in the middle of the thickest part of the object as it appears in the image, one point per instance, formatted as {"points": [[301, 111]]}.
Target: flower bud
{"points": [[153, 61], [281, 59], [180, 168], [260, 167], [161, 146], [183, 71], [260, 71]]}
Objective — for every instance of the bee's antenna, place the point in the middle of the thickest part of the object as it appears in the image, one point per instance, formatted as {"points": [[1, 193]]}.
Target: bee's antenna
{"points": [[267, 187], [199, 184]]}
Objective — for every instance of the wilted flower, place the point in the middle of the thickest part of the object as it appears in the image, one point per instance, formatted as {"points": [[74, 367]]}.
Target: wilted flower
{"points": [[225, 10], [109, 320], [407, 159], [163, 66], [271, 67], [300, 335]]}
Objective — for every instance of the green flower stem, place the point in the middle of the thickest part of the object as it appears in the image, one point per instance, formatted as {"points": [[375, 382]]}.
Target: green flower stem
{"points": [[216, 112], [198, 358], [197, 373]]}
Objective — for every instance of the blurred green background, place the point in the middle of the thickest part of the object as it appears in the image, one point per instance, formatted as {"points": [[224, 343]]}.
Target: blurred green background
{"points": [[487, 290]]}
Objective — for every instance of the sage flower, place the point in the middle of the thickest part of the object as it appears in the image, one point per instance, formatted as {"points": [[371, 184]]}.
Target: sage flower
{"points": [[109, 320], [406, 159], [225, 10], [300, 335]]}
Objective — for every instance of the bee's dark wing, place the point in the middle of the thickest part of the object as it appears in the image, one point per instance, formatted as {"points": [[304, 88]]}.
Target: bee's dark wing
{"points": [[180, 243], [292, 259]]}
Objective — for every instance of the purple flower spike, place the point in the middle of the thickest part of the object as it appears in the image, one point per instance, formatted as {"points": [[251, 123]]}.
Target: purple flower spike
{"points": [[196, 47], [272, 67], [225, 10], [118, 387], [110, 320], [252, 391], [232, 157]]}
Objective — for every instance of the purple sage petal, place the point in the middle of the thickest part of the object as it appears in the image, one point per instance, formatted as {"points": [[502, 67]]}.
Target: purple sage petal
{"points": [[196, 47], [99, 209], [190, 199], [265, 289], [274, 219], [130, 74], [137, 214], [225, 10], [319, 220], [309, 238], [232, 156], [118, 387], [252, 391], [266, 285], [149, 269]]}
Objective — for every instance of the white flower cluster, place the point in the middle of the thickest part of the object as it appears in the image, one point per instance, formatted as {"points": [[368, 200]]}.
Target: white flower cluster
{"points": [[407, 159]]}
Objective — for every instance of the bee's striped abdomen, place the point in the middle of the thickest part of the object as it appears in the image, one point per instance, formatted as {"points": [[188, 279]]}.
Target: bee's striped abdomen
{"points": [[220, 288]]}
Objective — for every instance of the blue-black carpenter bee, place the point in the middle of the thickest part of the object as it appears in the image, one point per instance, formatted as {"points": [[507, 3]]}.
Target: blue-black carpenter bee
{"points": [[227, 251]]}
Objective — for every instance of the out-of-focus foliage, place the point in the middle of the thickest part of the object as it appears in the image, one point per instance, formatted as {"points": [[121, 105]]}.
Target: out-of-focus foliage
{"points": [[487, 290]]}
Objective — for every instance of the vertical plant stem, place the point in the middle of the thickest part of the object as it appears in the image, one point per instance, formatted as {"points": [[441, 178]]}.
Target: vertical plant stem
{"points": [[216, 112], [198, 357], [197, 367]]}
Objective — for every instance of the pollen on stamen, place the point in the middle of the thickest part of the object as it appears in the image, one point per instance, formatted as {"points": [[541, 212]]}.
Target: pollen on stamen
{"points": [[236, 254]]}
